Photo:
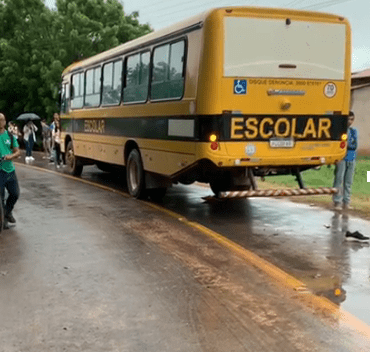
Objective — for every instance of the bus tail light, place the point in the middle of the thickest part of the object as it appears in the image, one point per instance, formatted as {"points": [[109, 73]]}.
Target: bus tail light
{"points": [[213, 140], [342, 145]]}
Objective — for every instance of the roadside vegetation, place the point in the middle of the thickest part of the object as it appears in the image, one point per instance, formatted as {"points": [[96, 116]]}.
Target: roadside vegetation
{"points": [[324, 177], [38, 43]]}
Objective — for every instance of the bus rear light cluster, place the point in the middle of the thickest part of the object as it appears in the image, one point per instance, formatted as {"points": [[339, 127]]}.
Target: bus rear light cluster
{"points": [[213, 140], [315, 158], [342, 145]]}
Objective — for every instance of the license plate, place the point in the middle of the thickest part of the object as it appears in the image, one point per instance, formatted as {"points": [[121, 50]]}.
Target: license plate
{"points": [[282, 143]]}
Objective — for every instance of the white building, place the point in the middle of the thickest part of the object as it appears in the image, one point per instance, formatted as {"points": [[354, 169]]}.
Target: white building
{"points": [[360, 105]]}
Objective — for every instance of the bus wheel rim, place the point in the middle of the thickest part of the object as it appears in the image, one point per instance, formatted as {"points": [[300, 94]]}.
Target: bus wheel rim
{"points": [[70, 157], [134, 179]]}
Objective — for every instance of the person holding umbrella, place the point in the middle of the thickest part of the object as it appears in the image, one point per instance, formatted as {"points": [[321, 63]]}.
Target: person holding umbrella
{"points": [[29, 130]]}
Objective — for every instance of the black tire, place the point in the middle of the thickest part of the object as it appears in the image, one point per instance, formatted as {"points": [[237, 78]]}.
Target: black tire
{"points": [[74, 165], [157, 194], [135, 175], [217, 187]]}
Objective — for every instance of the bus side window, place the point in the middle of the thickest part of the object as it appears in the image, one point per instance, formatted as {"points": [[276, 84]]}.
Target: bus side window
{"points": [[92, 87], [112, 83], [168, 71], [77, 90], [177, 69], [64, 97], [160, 72], [137, 78]]}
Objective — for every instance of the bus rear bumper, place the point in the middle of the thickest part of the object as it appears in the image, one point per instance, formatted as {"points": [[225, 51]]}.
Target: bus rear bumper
{"points": [[259, 154]]}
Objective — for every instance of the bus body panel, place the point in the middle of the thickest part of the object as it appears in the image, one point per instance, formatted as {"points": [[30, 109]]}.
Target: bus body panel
{"points": [[216, 93], [173, 136], [163, 157], [303, 91]]}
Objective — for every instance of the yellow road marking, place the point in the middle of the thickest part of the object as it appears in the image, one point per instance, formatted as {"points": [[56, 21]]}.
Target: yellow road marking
{"points": [[279, 276]]}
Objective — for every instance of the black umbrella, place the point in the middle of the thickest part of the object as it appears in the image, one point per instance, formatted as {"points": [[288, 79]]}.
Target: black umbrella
{"points": [[28, 116]]}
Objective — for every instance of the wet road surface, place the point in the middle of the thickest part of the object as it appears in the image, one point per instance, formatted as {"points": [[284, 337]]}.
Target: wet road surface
{"points": [[305, 241], [89, 270]]}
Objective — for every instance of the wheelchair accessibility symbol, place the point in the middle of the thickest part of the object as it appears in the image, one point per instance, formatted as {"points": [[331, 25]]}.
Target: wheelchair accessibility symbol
{"points": [[240, 86]]}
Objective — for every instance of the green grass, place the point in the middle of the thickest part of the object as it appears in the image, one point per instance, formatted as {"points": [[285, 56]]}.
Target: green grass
{"points": [[324, 177]]}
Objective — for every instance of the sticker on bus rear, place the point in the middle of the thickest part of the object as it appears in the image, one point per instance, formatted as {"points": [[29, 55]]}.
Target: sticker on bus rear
{"points": [[330, 90], [240, 86], [250, 149]]}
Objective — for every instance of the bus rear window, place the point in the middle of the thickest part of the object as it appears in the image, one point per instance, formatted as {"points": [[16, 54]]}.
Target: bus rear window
{"points": [[278, 48]]}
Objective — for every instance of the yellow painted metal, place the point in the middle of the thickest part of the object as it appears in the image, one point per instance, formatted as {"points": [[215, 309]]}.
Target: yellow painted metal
{"points": [[229, 153], [164, 157], [215, 93], [208, 93]]}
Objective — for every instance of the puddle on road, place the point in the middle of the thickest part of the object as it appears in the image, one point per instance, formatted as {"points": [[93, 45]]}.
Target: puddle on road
{"points": [[307, 242]]}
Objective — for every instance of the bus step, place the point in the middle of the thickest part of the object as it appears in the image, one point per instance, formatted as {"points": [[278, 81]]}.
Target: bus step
{"points": [[273, 193]]}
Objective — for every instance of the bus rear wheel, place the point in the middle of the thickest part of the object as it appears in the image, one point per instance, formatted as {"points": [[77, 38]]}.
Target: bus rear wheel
{"points": [[135, 175], [216, 188], [74, 165]]}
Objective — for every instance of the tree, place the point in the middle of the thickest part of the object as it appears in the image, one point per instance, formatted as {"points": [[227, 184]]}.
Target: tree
{"points": [[20, 55], [95, 26], [37, 43]]}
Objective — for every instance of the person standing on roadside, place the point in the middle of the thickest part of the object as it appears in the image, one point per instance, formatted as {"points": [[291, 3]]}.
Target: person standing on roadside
{"points": [[13, 129], [56, 141], [9, 150], [29, 139], [46, 139], [56, 117], [345, 169]]}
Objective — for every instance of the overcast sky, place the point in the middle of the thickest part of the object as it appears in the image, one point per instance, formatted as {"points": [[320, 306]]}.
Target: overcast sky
{"points": [[161, 13]]}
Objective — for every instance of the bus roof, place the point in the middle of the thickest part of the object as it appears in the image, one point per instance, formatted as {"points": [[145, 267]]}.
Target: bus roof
{"points": [[192, 22]]}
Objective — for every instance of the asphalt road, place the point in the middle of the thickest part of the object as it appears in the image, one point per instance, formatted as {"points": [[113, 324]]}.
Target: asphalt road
{"points": [[303, 240], [86, 269]]}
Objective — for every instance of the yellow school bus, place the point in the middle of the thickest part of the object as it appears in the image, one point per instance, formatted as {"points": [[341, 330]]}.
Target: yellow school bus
{"points": [[221, 98]]}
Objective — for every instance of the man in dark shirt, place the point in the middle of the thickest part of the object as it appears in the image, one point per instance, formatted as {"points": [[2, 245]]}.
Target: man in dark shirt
{"points": [[345, 169]]}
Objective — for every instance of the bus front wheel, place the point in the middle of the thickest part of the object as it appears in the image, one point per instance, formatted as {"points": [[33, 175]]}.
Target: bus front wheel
{"points": [[74, 165], [135, 175]]}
